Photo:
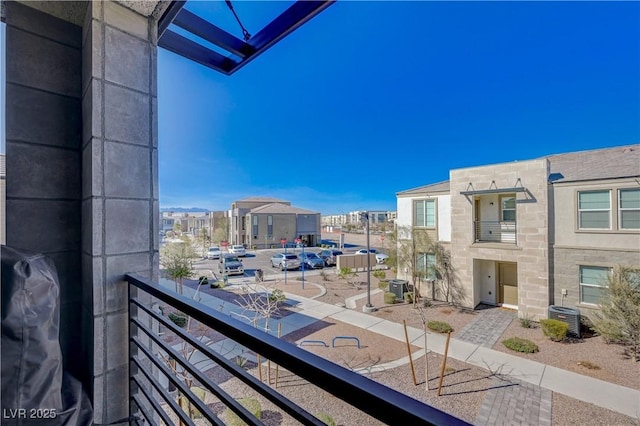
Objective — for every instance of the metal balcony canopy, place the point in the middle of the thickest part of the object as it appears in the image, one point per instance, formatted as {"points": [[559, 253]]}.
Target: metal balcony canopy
{"points": [[494, 191], [189, 33]]}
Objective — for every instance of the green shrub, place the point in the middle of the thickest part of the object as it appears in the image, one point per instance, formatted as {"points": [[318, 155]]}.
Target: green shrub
{"points": [[520, 345], [383, 285], [253, 405], [277, 295], [526, 321], [326, 419], [439, 326], [203, 280], [178, 319], [408, 297], [389, 298], [381, 275], [214, 284], [554, 329]]}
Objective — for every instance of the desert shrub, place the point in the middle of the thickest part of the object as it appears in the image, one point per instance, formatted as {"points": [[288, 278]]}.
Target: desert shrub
{"points": [[203, 280], [253, 405], [346, 273], [439, 326], [383, 285], [619, 318], [588, 364], [381, 275], [326, 419], [389, 298], [520, 345], [214, 284], [277, 295], [324, 275], [554, 329], [408, 297], [178, 319], [526, 321]]}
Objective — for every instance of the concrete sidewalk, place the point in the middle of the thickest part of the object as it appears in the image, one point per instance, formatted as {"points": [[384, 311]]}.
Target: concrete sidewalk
{"points": [[600, 393]]}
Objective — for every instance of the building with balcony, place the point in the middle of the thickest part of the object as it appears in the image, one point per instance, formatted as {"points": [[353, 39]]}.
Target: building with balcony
{"points": [[532, 233]]}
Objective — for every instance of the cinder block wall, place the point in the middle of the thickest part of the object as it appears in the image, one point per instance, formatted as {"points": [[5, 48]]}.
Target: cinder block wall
{"points": [[532, 250], [43, 142], [120, 211]]}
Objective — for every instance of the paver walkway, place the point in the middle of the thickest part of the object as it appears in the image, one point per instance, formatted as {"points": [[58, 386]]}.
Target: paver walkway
{"points": [[512, 402], [487, 328]]}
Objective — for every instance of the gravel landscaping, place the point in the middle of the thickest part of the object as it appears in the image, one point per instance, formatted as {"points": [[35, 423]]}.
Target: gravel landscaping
{"points": [[464, 386]]}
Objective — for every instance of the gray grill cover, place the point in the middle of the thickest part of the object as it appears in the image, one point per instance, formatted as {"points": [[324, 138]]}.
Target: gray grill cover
{"points": [[31, 373]]}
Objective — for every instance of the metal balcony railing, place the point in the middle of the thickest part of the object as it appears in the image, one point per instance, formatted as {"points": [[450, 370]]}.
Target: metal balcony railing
{"points": [[495, 231], [152, 403]]}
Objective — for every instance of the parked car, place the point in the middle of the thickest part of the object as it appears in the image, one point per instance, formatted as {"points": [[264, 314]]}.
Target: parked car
{"points": [[285, 261], [229, 264], [238, 250], [364, 251], [329, 256], [214, 252], [381, 258], [311, 260]]}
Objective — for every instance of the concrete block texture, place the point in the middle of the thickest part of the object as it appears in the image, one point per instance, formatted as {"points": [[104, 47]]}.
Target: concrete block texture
{"points": [[21, 16], [126, 171], [124, 19], [115, 287], [92, 47], [92, 170], [91, 111], [92, 213], [127, 226], [127, 60], [43, 226], [36, 171], [126, 115], [117, 340], [42, 117], [116, 402], [58, 68], [92, 288]]}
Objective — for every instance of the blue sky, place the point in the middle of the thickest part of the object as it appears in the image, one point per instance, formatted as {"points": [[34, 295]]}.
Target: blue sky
{"points": [[371, 98]]}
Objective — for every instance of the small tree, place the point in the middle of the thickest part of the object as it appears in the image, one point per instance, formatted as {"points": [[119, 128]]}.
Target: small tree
{"points": [[221, 232], [408, 244], [619, 318], [444, 272], [177, 261]]}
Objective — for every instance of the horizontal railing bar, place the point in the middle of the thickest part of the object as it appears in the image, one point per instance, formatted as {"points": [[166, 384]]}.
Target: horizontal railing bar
{"points": [[165, 395], [227, 399], [200, 405], [277, 398], [371, 397], [151, 400]]}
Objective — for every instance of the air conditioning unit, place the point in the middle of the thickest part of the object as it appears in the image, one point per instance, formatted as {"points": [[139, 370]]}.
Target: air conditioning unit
{"points": [[399, 288], [569, 315]]}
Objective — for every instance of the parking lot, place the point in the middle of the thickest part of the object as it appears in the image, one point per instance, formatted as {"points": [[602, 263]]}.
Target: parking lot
{"points": [[260, 259]]}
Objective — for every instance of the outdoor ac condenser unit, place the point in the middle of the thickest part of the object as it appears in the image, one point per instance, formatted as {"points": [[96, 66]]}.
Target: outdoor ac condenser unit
{"points": [[569, 315]]}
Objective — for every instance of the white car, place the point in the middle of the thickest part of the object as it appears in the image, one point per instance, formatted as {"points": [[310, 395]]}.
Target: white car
{"points": [[214, 252], [380, 257], [238, 250]]}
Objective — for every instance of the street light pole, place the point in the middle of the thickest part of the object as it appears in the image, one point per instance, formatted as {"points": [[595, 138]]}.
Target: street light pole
{"points": [[368, 307]]}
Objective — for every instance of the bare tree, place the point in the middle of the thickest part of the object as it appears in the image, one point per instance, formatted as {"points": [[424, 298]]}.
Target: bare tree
{"points": [[410, 244], [443, 271]]}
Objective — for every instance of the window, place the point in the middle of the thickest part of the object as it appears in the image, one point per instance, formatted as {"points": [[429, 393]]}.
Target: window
{"points": [[255, 226], [425, 264], [424, 213], [629, 209], [270, 225], [593, 281], [594, 209], [508, 205]]}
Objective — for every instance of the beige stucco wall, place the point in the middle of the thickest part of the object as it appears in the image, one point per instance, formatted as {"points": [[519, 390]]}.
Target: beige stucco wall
{"points": [[565, 212], [531, 251]]}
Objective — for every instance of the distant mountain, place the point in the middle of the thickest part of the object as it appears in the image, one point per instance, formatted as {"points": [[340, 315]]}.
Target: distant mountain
{"points": [[182, 209]]}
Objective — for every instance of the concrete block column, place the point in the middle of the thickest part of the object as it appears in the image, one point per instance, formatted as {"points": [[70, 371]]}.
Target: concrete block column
{"points": [[119, 191]]}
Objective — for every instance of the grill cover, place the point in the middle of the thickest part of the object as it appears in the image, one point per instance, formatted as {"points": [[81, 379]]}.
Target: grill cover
{"points": [[35, 389]]}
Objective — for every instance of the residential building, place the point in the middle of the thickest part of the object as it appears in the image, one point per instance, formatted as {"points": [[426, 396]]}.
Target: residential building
{"points": [[237, 215], [534, 233], [269, 224], [334, 220]]}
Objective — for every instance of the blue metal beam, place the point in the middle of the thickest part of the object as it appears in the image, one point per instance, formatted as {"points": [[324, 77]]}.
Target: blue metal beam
{"points": [[207, 31], [196, 52], [287, 22]]}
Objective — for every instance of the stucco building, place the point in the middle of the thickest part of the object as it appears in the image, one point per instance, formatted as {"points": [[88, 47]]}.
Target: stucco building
{"points": [[533, 233]]}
